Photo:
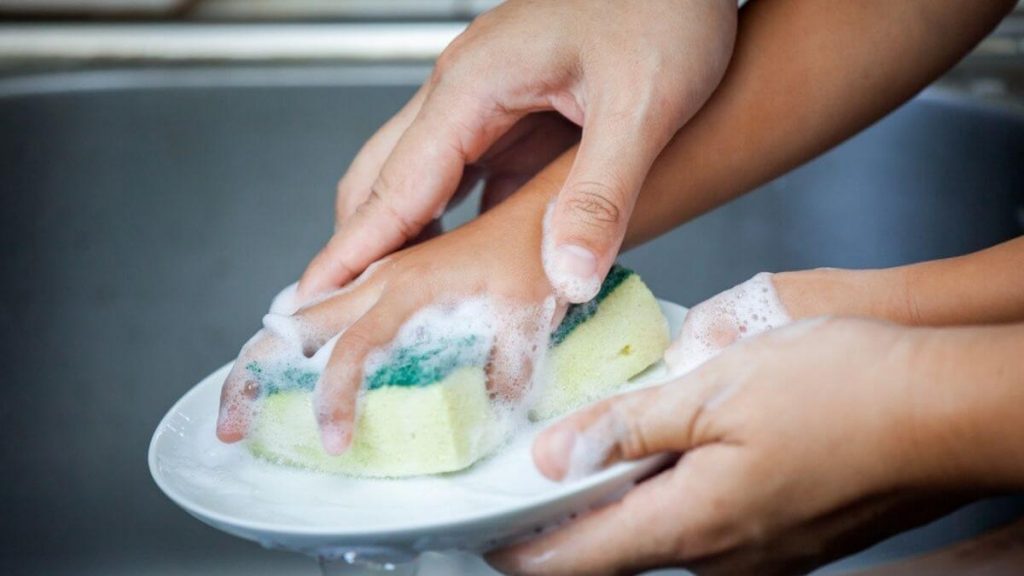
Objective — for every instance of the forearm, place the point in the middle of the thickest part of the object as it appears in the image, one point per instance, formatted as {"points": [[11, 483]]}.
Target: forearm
{"points": [[805, 76], [966, 409], [979, 288], [983, 287]]}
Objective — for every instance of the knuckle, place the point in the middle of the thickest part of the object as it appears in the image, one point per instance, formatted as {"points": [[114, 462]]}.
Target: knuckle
{"points": [[633, 440], [710, 534], [448, 61], [381, 201], [411, 275], [344, 206], [354, 344], [597, 204], [335, 259]]}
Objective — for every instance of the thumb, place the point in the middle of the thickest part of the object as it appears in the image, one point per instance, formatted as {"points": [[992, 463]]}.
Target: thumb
{"points": [[666, 418], [413, 187], [587, 222]]}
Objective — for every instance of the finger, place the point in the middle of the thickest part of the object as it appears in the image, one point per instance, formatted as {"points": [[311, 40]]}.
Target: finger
{"points": [[354, 186], [517, 347], [677, 515], [839, 533], [599, 542], [666, 418], [413, 187], [337, 391], [432, 230], [635, 533], [241, 391], [284, 336], [313, 325], [707, 330], [509, 367], [740, 312], [589, 217]]}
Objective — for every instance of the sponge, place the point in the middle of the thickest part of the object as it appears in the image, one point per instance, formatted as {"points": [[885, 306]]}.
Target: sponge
{"points": [[401, 430], [427, 410], [601, 344]]}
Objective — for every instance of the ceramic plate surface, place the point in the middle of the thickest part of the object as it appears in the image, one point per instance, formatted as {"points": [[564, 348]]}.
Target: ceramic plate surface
{"points": [[489, 503]]}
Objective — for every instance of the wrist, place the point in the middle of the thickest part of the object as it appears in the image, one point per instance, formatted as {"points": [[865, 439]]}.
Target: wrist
{"points": [[962, 420], [877, 294]]}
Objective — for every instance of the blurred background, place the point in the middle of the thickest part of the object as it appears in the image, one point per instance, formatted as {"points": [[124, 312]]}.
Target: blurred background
{"points": [[167, 165]]}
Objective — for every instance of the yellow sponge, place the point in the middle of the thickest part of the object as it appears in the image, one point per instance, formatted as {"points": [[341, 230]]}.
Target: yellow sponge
{"points": [[428, 411], [625, 334], [401, 430]]}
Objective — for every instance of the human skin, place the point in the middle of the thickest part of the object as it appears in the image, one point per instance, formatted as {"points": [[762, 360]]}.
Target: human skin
{"points": [[804, 76], [786, 97], [793, 443], [978, 288], [629, 73], [439, 273]]}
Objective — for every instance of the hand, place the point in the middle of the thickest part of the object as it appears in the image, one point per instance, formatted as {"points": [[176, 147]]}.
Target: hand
{"points": [[494, 259], [631, 74], [799, 434], [769, 301]]}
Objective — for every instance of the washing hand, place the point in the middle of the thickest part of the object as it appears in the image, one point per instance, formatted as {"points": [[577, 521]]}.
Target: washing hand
{"points": [[629, 73], [493, 261], [972, 289], [769, 301], [798, 446]]}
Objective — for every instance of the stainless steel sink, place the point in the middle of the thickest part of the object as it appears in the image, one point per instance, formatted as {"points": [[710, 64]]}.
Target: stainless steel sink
{"points": [[147, 217]]}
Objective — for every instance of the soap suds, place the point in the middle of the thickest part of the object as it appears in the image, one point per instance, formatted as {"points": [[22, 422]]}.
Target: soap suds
{"points": [[437, 339], [427, 348], [739, 313], [593, 446], [287, 303], [569, 286]]}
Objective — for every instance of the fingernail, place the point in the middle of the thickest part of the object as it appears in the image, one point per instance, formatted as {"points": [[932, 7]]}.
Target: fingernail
{"points": [[576, 261], [235, 412], [557, 450], [574, 272], [526, 558], [228, 431], [502, 561], [335, 437]]}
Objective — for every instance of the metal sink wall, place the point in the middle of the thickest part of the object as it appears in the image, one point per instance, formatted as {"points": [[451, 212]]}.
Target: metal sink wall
{"points": [[147, 217]]}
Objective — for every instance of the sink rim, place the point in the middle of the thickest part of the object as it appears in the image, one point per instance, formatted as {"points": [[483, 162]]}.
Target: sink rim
{"points": [[26, 83]]}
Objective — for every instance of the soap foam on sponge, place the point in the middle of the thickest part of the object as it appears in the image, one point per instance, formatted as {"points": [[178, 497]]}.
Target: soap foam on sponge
{"points": [[425, 407]]}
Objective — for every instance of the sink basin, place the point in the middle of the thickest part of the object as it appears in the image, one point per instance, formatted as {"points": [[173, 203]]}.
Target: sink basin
{"points": [[148, 216]]}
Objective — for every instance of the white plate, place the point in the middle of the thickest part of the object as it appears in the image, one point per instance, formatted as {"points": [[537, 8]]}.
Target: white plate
{"points": [[495, 500]]}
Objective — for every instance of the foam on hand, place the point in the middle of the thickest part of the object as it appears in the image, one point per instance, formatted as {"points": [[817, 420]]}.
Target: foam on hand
{"points": [[286, 302], [427, 405], [739, 313], [569, 283], [424, 407]]}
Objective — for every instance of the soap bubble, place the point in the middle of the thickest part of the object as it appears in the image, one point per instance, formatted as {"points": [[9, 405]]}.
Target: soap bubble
{"points": [[506, 339], [741, 312], [576, 289]]}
